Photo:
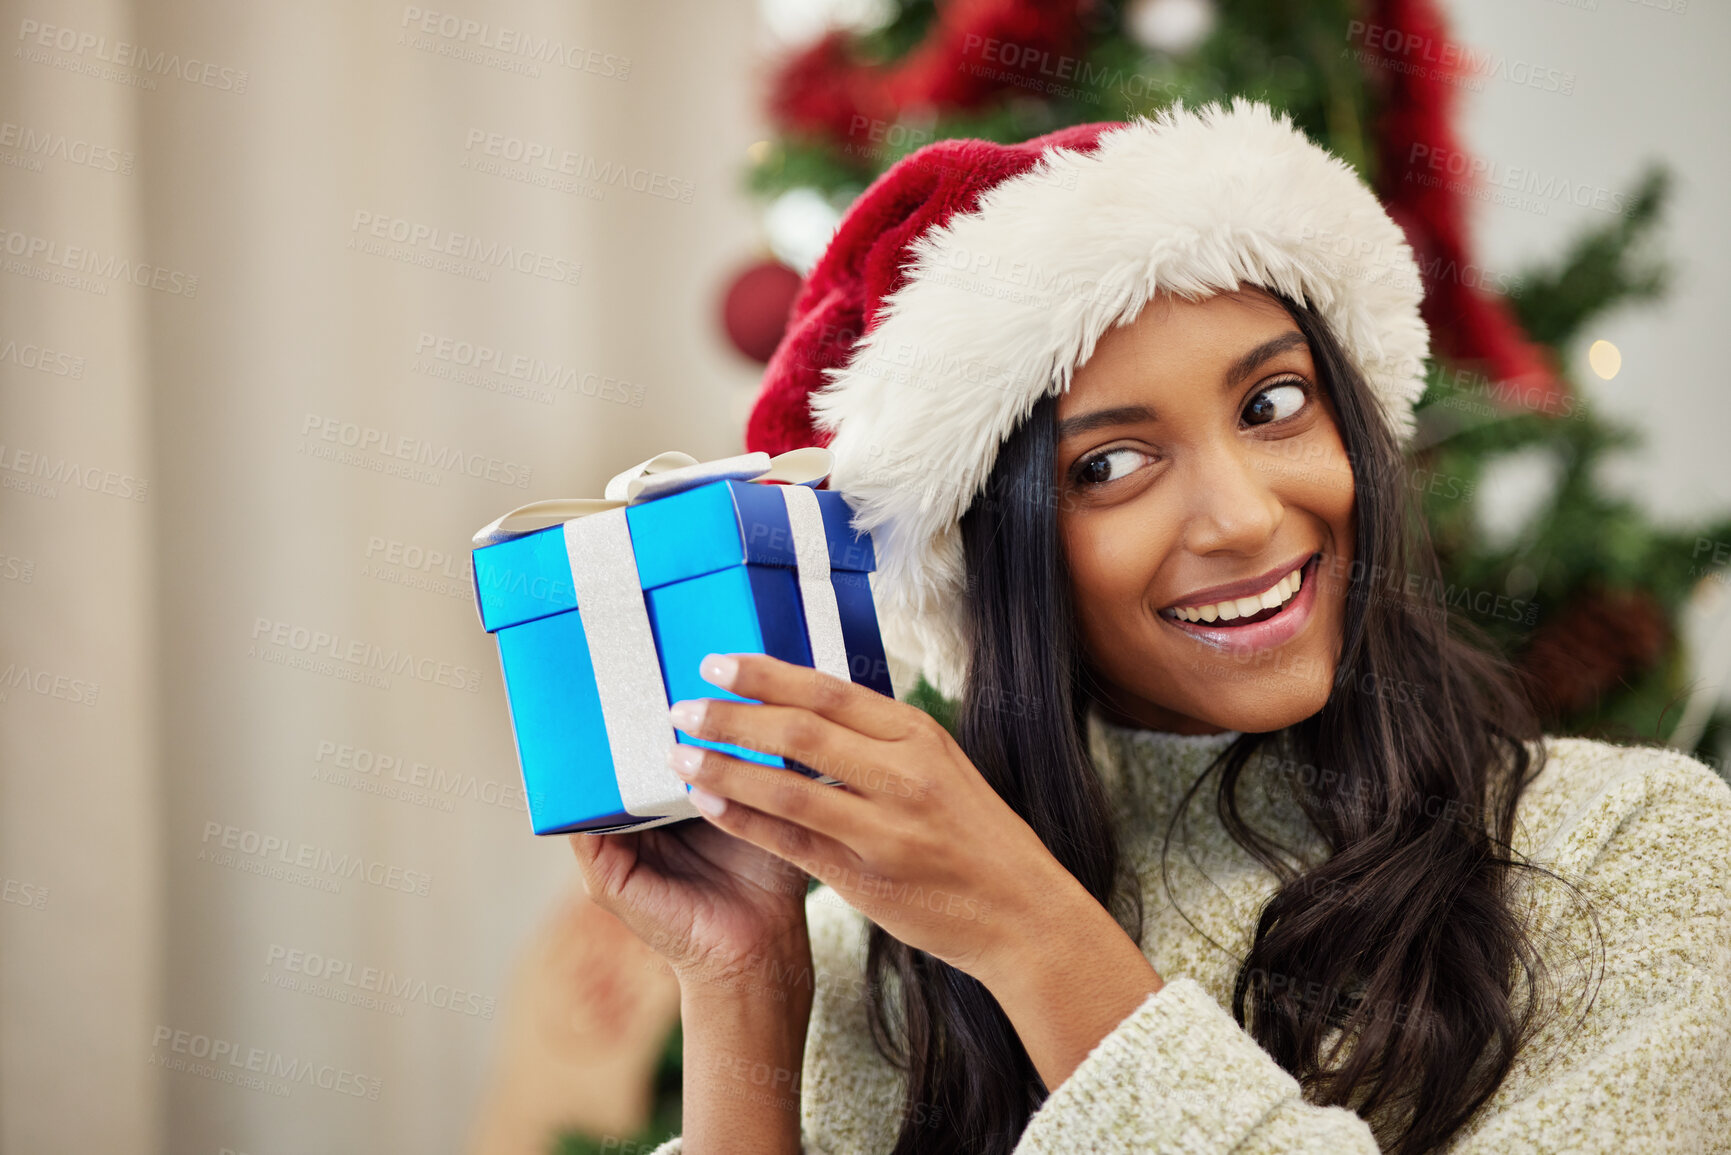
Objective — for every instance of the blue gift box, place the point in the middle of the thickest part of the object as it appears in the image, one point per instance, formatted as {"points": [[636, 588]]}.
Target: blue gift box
{"points": [[718, 570]]}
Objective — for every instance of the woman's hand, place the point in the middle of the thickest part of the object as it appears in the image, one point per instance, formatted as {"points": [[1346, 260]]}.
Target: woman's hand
{"points": [[730, 918], [915, 838], [721, 911]]}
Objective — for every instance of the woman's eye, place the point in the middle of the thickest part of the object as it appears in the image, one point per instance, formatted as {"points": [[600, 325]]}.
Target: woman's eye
{"points": [[1275, 403], [1109, 466]]}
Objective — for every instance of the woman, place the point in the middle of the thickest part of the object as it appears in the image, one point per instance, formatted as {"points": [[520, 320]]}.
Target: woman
{"points": [[1238, 847]]}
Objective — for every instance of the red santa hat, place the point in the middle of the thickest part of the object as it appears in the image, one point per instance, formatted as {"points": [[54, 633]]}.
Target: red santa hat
{"points": [[971, 279]]}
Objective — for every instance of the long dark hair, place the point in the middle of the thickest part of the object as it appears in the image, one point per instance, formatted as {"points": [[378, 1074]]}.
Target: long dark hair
{"points": [[1411, 908]]}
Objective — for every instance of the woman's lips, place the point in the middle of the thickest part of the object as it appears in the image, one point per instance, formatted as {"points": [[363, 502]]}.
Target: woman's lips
{"points": [[1266, 634]]}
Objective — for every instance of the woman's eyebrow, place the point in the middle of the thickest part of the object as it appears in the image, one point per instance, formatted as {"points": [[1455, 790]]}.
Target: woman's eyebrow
{"points": [[1086, 422], [1131, 414], [1247, 364]]}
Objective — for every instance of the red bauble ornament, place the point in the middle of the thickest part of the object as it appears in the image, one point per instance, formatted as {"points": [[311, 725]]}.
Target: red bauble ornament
{"points": [[754, 311]]}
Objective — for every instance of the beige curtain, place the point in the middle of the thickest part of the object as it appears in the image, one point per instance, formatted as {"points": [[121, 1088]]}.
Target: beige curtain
{"points": [[295, 297]]}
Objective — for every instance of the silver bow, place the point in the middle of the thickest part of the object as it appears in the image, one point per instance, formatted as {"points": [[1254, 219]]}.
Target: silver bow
{"points": [[661, 475]]}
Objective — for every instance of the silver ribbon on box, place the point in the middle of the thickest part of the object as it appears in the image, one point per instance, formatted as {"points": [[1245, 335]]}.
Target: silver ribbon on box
{"points": [[616, 619]]}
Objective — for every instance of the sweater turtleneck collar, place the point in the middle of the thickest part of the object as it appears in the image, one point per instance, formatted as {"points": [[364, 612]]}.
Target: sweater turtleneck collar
{"points": [[1146, 773]]}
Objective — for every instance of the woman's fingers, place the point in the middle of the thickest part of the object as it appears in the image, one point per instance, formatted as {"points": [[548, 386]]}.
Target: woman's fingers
{"points": [[843, 702], [603, 861], [585, 847], [803, 847], [790, 731], [871, 769], [773, 790]]}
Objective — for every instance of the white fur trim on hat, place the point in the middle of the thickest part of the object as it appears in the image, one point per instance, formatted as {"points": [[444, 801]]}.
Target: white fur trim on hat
{"points": [[1003, 303]]}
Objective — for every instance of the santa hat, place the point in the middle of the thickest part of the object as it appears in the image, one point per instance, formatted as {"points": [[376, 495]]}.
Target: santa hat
{"points": [[971, 279]]}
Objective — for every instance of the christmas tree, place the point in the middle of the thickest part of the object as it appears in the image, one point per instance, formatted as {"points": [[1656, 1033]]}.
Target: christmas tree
{"points": [[1585, 595]]}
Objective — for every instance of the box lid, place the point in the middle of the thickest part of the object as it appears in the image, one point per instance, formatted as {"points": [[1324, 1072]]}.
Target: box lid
{"points": [[678, 537]]}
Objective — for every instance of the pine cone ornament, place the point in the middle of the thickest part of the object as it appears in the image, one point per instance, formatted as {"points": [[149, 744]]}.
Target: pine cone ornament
{"points": [[1598, 639]]}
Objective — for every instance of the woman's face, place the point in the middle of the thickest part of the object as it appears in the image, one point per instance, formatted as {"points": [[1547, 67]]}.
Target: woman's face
{"points": [[1199, 466]]}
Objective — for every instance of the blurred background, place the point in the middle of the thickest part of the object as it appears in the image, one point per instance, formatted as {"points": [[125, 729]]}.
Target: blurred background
{"points": [[296, 297]]}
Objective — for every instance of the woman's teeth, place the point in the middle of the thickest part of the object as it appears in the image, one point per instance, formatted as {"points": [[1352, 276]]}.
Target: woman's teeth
{"points": [[1273, 598]]}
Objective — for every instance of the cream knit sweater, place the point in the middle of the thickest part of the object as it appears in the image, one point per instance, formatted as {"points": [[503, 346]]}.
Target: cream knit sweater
{"points": [[1646, 832]]}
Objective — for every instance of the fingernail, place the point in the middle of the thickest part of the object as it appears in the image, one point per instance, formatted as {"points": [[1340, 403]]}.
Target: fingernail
{"points": [[710, 804], [719, 669], [685, 759], [687, 715]]}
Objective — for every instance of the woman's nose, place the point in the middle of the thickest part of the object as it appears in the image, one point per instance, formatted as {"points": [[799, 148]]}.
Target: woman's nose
{"points": [[1232, 506]]}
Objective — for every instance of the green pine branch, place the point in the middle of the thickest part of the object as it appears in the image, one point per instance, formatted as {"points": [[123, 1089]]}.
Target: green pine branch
{"points": [[1604, 267]]}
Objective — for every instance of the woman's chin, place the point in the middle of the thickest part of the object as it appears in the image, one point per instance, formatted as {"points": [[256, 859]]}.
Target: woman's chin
{"points": [[1252, 710], [1249, 697]]}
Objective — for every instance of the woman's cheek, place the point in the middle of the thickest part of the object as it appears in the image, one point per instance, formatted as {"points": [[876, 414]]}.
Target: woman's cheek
{"points": [[1107, 574], [1094, 563], [1127, 550], [1313, 474]]}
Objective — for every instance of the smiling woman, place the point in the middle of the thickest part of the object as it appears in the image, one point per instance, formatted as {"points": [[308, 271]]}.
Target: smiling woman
{"points": [[1208, 451], [1140, 516]]}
